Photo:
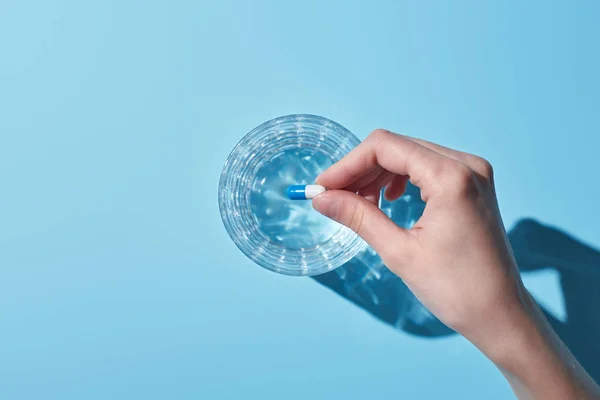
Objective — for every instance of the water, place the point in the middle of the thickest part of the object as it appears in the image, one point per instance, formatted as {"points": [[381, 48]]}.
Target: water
{"points": [[279, 234], [289, 223]]}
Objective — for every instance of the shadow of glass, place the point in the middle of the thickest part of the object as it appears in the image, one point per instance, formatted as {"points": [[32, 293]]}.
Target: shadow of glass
{"points": [[366, 282]]}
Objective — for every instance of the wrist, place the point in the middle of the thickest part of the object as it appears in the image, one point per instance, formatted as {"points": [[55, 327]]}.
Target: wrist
{"points": [[534, 359], [521, 331]]}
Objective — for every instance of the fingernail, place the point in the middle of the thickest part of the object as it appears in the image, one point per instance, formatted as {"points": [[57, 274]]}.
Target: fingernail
{"points": [[326, 205]]}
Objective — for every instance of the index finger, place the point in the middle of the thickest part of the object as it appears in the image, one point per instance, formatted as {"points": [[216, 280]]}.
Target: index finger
{"points": [[392, 152]]}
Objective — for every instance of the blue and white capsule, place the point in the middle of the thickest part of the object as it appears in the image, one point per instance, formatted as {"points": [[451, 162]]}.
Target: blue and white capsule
{"points": [[304, 192]]}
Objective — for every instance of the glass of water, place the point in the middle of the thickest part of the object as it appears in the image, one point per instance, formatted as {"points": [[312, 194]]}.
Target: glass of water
{"points": [[279, 234]]}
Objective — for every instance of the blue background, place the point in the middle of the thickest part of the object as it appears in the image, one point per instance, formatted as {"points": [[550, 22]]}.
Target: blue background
{"points": [[117, 278]]}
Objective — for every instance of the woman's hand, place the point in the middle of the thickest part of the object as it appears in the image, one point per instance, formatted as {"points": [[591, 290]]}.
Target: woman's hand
{"points": [[457, 259]]}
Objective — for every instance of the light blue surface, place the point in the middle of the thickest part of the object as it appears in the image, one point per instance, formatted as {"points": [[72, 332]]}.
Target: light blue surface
{"points": [[117, 279]]}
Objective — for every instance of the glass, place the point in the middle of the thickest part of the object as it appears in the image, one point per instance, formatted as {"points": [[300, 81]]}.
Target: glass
{"points": [[282, 235]]}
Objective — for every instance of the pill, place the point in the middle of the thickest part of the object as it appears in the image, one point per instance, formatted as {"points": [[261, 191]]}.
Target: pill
{"points": [[304, 192]]}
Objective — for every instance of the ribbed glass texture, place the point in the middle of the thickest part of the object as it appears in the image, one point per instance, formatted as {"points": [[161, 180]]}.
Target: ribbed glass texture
{"points": [[283, 235]]}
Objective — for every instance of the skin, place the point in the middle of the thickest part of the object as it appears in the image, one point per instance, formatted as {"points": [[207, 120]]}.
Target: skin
{"points": [[457, 259]]}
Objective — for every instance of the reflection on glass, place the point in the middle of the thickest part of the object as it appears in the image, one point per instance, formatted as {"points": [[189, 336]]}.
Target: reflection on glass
{"points": [[291, 224]]}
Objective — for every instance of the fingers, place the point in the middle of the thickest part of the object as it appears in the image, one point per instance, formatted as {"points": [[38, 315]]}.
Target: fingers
{"points": [[394, 153], [432, 167], [365, 179], [476, 163], [367, 220], [372, 191], [396, 187]]}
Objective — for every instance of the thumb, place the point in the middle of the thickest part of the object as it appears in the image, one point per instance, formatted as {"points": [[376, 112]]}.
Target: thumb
{"points": [[367, 220]]}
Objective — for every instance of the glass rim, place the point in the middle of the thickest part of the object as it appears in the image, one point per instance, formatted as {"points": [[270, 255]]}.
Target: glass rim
{"points": [[238, 221]]}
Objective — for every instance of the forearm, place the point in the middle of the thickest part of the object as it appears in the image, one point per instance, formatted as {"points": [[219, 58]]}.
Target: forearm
{"points": [[536, 362]]}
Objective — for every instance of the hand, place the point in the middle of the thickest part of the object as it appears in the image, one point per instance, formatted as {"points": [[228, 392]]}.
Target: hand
{"points": [[457, 259]]}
